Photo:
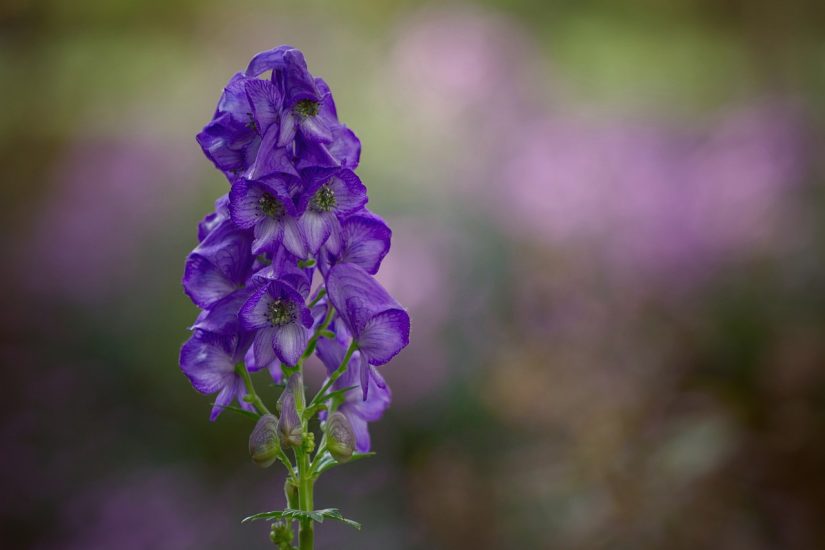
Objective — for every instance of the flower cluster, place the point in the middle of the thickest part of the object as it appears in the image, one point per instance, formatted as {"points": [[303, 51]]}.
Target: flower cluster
{"points": [[285, 263]]}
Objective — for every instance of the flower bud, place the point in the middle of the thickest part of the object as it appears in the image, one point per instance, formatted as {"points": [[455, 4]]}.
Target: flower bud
{"points": [[340, 438], [290, 430], [263, 441]]}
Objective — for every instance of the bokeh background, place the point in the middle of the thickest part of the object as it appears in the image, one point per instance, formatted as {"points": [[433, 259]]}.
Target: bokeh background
{"points": [[609, 228]]}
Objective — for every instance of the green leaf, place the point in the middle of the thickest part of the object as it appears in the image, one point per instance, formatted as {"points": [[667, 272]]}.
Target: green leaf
{"points": [[328, 463], [238, 410], [299, 515]]}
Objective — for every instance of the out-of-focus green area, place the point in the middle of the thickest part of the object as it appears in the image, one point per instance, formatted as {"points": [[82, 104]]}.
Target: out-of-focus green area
{"points": [[607, 225]]}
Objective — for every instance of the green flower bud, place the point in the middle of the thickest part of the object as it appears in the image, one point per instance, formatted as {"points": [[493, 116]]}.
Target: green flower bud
{"points": [[340, 438], [263, 441], [290, 430]]}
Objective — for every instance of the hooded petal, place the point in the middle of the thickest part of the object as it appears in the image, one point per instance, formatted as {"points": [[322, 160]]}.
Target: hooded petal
{"points": [[350, 193], [266, 61], [345, 147], [357, 296], [361, 430], [222, 317], [384, 335], [366, 240], [204, 283], [207, 360], [265, 102]]}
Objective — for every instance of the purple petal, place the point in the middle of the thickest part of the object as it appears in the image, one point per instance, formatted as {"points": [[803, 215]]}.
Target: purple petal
{"points": [[317, 227], [271, 158], [222, 317], [289, 342], [294, 238], [345, 147], [265, 101], [268, 234], [207, 360], [254, 314], [366, 242], [262, 348], [356, 295], [266, 61], [384, 335], [204, 283], [350, 193]]}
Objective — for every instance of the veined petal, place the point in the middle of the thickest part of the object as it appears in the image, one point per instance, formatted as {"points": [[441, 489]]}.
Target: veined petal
{"points": [[254, 314], [366, 242], [345, 147], [271, 157], [207, 360], [262, 348], [268, 234], [384, 335], [289, 342], [204, 283], [294, 239], [317, 227], [265, 101], [356, 295], [315, 128], [350, 193], [222, 317], [286, 133]]}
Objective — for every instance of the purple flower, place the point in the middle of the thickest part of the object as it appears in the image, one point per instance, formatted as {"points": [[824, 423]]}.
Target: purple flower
{"points": [[379, 324], [219, 265], [360, 406], [267, 207], [232, 138], [365, 240], [209, 360], [282, 321], [326, 201]]}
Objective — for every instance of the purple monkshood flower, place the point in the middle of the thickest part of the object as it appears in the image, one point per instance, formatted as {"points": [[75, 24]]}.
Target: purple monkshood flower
{"points": [[209, 360], [358, 406], [377, 322], [365, 240], [326, 201], [267, 207], [219, 265], [282, 321]]}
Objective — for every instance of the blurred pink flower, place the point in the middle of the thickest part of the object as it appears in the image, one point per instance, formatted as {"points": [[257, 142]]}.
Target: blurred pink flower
{"points": [[650, 200], [106, 198]]}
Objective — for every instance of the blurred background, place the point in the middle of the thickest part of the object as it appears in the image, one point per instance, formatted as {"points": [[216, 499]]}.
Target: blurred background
{"points": [[609, 228]]}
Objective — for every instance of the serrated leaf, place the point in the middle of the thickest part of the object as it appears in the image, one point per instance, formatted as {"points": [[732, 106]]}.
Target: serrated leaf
{"points": [[315, 515]]}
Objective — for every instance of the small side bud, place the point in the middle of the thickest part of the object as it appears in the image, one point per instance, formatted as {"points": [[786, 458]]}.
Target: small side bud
{"points": [[263, 441], [340, 438], [290, 430]]}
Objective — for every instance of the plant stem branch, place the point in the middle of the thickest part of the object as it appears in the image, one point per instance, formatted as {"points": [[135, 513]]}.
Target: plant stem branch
{"points": [[252, 396]]}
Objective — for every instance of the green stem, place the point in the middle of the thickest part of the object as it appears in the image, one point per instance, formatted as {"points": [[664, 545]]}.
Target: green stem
{"points": [[336, 374], [305, 486], [314, 339], [251, 395]]}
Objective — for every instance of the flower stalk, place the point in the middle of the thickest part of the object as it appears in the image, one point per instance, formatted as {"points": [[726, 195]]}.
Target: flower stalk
{"points": [[295, 213]]}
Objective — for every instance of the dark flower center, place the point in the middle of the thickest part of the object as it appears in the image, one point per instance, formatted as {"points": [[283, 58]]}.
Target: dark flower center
{"points": [[324, 199], [271, 206], [307, 108], [251, 124], [281, 312]]}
